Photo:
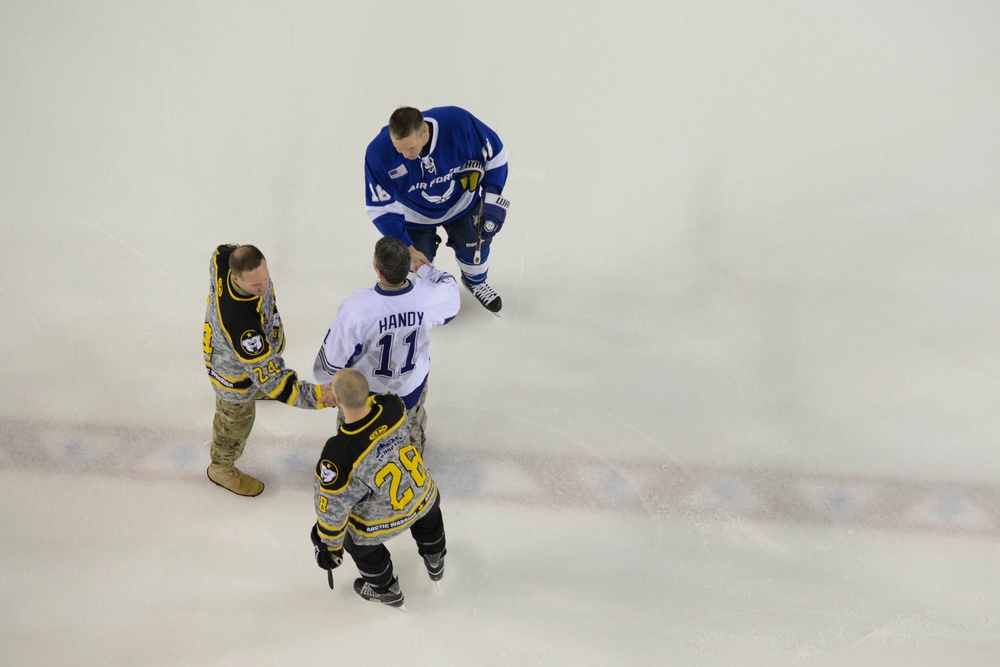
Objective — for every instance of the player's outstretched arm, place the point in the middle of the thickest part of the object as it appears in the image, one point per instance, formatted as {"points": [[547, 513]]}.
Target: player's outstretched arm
{"points": [[418, 259], [282, 384]]}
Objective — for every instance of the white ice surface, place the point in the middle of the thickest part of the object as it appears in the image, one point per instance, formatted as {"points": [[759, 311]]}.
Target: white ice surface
{"points": [[739, 409]]}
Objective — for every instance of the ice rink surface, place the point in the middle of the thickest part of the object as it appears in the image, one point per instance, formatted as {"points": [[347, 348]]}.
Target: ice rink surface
{"points": [[740, 407]]}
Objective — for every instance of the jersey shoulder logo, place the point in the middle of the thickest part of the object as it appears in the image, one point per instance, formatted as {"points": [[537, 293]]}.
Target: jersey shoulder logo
{"points": [[388, 447], [377, 433], [252, 341], [327, 472]]}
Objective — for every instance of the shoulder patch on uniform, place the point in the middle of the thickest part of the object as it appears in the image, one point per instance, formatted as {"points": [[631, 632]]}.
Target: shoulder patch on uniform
{"points": [[327, 472], [398, 172], [377, 433], [388, 447], [252, 341]]}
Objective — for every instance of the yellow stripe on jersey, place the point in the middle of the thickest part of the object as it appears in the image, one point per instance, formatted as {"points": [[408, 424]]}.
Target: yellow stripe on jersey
{"points": [[235, 390], [238, 378], [395, 523], [295, 392], [331, 533], [236, 385]]}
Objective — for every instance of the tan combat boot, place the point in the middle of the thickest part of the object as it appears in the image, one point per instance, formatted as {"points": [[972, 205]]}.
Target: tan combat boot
{"points": [[230, 477]]}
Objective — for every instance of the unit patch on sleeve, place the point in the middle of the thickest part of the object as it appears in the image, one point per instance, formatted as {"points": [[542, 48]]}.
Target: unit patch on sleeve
{"points": [[327, 472], [252, 342]]}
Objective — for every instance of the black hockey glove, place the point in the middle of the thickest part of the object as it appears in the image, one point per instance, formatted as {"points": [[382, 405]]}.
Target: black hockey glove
{"points": [[325, 557], [470, 174], [495, 210]]}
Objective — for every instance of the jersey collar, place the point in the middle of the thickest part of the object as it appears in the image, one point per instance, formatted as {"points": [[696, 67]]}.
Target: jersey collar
{"points": [[393, 292]]}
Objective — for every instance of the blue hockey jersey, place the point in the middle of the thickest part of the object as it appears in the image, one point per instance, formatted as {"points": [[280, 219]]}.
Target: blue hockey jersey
{"points": [[423, 191]]}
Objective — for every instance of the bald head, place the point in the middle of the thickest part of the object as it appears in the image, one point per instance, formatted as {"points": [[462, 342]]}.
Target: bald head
{"points": [[351, 388]]}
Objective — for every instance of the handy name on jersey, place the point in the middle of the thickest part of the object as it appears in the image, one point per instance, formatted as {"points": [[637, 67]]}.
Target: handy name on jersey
{"points": [[396, 320]]}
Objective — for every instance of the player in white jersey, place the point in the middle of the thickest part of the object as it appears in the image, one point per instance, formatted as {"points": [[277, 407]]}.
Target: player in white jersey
{"points": [[383, 332]]}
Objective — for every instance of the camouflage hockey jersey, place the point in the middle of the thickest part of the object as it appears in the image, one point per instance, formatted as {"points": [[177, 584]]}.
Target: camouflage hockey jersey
{"points": [[370, 480], [243, 341]]}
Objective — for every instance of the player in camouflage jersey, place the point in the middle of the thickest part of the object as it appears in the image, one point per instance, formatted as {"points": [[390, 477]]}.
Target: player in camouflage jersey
{"points": [[371, 484], [243, 340]]}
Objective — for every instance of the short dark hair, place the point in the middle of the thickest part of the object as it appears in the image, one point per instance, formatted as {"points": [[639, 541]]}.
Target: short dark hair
{"points": [[392, 258], [404, 121], [245, 258]]}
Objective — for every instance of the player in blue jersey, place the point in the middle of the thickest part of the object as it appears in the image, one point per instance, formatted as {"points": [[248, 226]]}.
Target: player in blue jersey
{"points": [[440, 168]]}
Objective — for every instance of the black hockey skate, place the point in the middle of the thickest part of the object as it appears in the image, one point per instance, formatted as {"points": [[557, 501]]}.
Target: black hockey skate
{"points": [[484, 293], [435, 565], [390, 595]]}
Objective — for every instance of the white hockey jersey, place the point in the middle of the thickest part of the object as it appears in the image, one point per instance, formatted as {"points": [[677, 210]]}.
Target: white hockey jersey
{"points": [[384, 334]]}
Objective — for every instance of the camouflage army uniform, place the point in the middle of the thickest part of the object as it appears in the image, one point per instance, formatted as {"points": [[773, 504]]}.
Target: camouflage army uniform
{"points": [[243, 340]]}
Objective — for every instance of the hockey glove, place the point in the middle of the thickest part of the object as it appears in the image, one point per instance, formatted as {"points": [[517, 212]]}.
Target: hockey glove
{"points": [[470, 174], [325, 557], [495, 210]]}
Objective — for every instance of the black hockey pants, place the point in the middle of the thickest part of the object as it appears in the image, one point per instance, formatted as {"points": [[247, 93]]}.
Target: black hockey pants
{"points": [[461, 237], [374, 561]]}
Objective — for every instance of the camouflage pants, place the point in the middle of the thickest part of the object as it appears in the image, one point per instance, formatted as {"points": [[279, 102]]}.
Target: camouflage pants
{"points": [[231, 429], [416, 420]]}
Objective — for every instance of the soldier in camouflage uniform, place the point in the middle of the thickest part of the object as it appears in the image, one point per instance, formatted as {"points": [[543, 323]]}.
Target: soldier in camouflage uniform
{"points": [[242, 342], [371, 484]]}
